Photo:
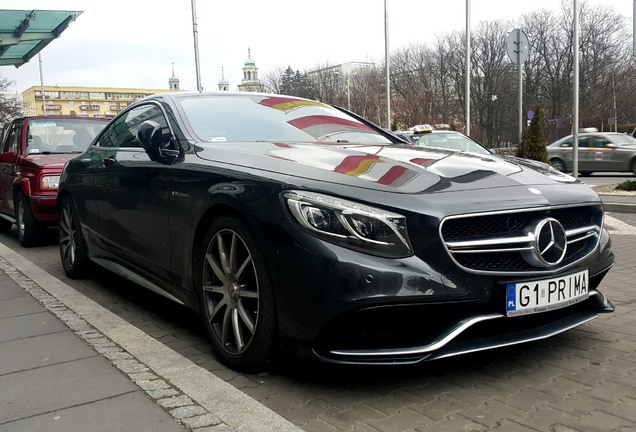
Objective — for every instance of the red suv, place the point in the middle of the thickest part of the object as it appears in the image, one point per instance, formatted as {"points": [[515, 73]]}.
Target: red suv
{"points": [[32, 155]]}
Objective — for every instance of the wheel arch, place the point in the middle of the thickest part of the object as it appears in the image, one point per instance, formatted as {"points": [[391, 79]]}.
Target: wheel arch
{"points": [[214, 212], [21, 185]]}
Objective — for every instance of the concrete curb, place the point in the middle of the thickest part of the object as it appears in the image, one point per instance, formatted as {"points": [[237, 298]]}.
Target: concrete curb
{"points": [[619, 207]]}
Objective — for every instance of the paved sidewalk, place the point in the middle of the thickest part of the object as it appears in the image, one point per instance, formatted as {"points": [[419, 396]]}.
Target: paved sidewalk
{"points": [[52, 380], [67, 364]]}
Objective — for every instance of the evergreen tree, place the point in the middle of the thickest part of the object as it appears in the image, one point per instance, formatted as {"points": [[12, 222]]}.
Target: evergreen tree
{"points": [[533, 144], [287, 82]]}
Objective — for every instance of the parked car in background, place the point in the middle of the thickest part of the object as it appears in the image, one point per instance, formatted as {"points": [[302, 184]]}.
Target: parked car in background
{"points": [[598, 152], [32, 154], [291, 224], [426, 136], [447, 139]]}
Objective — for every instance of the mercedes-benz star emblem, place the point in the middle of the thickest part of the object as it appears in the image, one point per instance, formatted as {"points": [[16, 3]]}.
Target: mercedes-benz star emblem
{"points": [[549, 244]]}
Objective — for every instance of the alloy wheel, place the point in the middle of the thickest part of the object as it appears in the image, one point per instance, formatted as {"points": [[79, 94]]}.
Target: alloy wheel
{"points": [[67, 230], [20, 219], [230, 291]]}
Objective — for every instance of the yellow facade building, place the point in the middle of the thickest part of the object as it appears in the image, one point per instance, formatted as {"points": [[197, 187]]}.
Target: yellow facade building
{"points": [[82, 101]]}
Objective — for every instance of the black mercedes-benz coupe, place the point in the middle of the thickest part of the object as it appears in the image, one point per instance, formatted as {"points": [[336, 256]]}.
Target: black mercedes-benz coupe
{"points": [[292, 225]]}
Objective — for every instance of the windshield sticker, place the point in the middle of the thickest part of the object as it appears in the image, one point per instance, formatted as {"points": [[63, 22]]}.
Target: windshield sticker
{"points": [[43, 124]]}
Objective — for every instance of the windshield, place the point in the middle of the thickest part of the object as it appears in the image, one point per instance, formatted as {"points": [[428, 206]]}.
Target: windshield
{"points": [[625, 139], [276, 119], [61, 135], [449, 140]]}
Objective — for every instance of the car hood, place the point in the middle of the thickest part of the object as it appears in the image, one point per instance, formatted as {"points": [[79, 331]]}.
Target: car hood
{"points": [[392, 168], [43, 160]]}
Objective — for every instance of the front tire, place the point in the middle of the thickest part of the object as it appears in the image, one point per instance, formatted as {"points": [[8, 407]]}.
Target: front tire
{"points": [[237, 299], [73, 249], [30, 230], [558, 164]]}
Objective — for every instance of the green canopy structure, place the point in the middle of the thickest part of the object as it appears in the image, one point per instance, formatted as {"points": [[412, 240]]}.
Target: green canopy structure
{"points": [[24, 33]]}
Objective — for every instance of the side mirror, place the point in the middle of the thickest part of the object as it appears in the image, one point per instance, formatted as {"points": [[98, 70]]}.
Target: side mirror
{"points": [[8, 157], [157, 147], [149, 135]]}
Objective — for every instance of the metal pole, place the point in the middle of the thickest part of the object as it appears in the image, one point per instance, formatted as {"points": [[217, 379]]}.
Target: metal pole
{"points": [[196, 45], [575, 101], [615, 112], [520, 86], [41, 86], [634, 31], [386, 60], [348, 93], [467, 80]]}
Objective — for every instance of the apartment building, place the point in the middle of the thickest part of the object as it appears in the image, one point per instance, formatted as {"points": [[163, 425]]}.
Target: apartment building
{"points": [[82, 101]]}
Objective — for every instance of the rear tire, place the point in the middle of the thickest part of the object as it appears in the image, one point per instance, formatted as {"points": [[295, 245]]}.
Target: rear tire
{"points": [[237, 297], [633, 166], [30, 230], [73, 249]]}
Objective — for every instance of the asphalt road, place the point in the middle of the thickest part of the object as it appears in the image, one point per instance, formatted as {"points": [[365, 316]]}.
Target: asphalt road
{"points": [[582, 380]]}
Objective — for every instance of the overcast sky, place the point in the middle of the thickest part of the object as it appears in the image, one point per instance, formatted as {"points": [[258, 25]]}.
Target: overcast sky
{"points": [[133, 43]]}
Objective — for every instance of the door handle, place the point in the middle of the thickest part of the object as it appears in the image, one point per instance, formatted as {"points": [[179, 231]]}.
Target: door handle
{"points": [[108, 161]]}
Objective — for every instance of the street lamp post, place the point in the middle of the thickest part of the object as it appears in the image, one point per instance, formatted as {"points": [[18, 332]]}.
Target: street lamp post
{"points": [[386, 60], [349, 92], [195, 34]]}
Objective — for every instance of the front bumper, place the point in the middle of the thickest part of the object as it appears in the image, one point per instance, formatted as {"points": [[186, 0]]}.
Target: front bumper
{"points": [[477, 332], [44, 207], [353, 308]]}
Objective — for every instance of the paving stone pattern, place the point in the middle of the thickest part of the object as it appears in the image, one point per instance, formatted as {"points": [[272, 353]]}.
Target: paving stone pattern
{"points": [[192, 416], [581, 381]]}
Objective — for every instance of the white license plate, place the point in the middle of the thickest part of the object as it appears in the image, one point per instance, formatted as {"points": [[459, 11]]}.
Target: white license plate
{"points": [[545, 295]]}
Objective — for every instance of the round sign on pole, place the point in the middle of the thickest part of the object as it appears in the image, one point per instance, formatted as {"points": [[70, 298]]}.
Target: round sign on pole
{"points": [[530, 115], [517, 46]]}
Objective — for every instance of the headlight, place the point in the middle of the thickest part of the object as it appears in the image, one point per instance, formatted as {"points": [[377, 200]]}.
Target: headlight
{"points": [[50, 182], [350, 224]]}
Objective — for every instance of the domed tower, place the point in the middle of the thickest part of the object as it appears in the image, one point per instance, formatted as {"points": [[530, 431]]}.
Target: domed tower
{"points": [[224, 85], [173, 81], [250, 81]]}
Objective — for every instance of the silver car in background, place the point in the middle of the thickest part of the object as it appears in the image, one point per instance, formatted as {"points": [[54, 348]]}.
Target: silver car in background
{"points": [[598, 151]]}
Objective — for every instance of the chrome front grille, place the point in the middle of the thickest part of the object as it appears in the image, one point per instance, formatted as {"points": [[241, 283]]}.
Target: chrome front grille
{"points": [[496, 243]]}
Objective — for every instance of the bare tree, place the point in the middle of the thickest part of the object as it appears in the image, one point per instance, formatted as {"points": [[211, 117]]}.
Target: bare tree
{"points": [[10, 105], [427, 82]]}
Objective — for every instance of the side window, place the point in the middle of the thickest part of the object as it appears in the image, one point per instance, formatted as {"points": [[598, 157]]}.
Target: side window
{"points": [[123, 131], [584, 141], [13, 139], [599, 141], [567, 143]]}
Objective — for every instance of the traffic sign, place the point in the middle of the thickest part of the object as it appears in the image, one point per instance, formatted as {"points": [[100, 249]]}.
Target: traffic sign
{"points": [[517, 46], [530, 114]]}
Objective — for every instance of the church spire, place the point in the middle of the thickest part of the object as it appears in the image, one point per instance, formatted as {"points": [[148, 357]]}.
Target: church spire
{"points": [[173, 81], [224, 85]]}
